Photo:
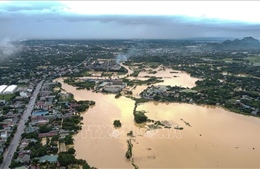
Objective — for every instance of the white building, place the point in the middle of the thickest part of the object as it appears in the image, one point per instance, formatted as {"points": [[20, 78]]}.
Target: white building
{"points": [[4, 135], [10, 89], [2, 88], [23, 94]]}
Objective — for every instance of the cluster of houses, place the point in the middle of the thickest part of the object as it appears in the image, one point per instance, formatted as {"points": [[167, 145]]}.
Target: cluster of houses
{"points": [[151, 91], [163, 91], [107, 85], [46, 109], [180, 94], [253, 110], [103, 64], [111, 86], [7, 125], [11, 110], [24, 156]]}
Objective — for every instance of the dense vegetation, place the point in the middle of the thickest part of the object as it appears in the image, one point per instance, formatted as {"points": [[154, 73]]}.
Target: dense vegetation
{"points": [[83, 105], [129, 153], [68, 159], [72, 123], [140, 117], [80, 84]]}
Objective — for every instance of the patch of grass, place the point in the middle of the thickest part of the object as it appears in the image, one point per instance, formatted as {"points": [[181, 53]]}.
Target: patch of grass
{"points": [[121, 73], [188, 91], [80, 84], [135, 73], [86, 73], [106, 74], [153, 65], [22, 85], [254, 59], [231, 60], [151, 80], [7, 97]]}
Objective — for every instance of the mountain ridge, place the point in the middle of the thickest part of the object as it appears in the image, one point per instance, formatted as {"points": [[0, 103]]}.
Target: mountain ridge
{"points": [[246, 43]]}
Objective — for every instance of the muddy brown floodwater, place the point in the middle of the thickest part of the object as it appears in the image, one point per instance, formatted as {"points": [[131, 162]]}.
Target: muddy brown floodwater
{"points": [[216, 138], [169, 77], [98, 142], [172, 77]]}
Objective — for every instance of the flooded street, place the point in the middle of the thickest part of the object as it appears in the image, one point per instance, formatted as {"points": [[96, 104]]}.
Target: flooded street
{"points": [[216, 138]]}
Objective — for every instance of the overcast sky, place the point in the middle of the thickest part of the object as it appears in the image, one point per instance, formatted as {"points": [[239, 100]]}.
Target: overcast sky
{"points": [[128, 19]]}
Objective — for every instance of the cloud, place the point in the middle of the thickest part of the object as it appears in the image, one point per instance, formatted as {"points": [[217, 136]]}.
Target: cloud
{"points": [[25, 7], [53, 20], [34, 10], [48, 10]]}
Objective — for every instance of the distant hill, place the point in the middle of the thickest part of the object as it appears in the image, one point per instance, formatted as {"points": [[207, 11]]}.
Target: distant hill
{"points": [[247, 43]]}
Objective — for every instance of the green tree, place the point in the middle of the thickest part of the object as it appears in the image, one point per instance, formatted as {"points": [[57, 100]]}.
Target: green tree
{"points": [[1, 159], [55, 138], [65, 159], [140, 117], [14, 164], [68, 139], [71, 151], [117, 123], [45, 128], [47, 140]]}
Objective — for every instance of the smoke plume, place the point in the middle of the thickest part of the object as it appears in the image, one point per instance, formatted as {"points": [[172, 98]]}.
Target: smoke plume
{"points": [[7, 48], [121, 58], [130, 53]]}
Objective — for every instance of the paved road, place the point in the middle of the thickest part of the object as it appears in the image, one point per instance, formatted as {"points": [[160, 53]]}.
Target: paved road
{"points": [[20, 129]]}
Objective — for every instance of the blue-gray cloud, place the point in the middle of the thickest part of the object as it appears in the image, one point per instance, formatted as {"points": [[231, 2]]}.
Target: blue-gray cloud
{"points": [[27, 7], [49, 20]]}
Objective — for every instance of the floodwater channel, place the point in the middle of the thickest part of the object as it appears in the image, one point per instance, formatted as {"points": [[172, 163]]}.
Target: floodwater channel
{"points": [[216, 138]]}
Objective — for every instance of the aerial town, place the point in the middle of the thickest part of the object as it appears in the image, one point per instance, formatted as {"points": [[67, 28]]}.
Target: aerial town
{"points": [[42, 117], [129, 84]]}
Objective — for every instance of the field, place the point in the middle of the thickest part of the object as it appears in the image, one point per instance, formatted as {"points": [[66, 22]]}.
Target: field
{"points": [[255, 60], [6, 97]]}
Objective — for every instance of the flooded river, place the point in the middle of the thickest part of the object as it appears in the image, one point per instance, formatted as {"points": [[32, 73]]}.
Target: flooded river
{"points": [[98, 142], [172, 77], [216, 138], [169, 77]]}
